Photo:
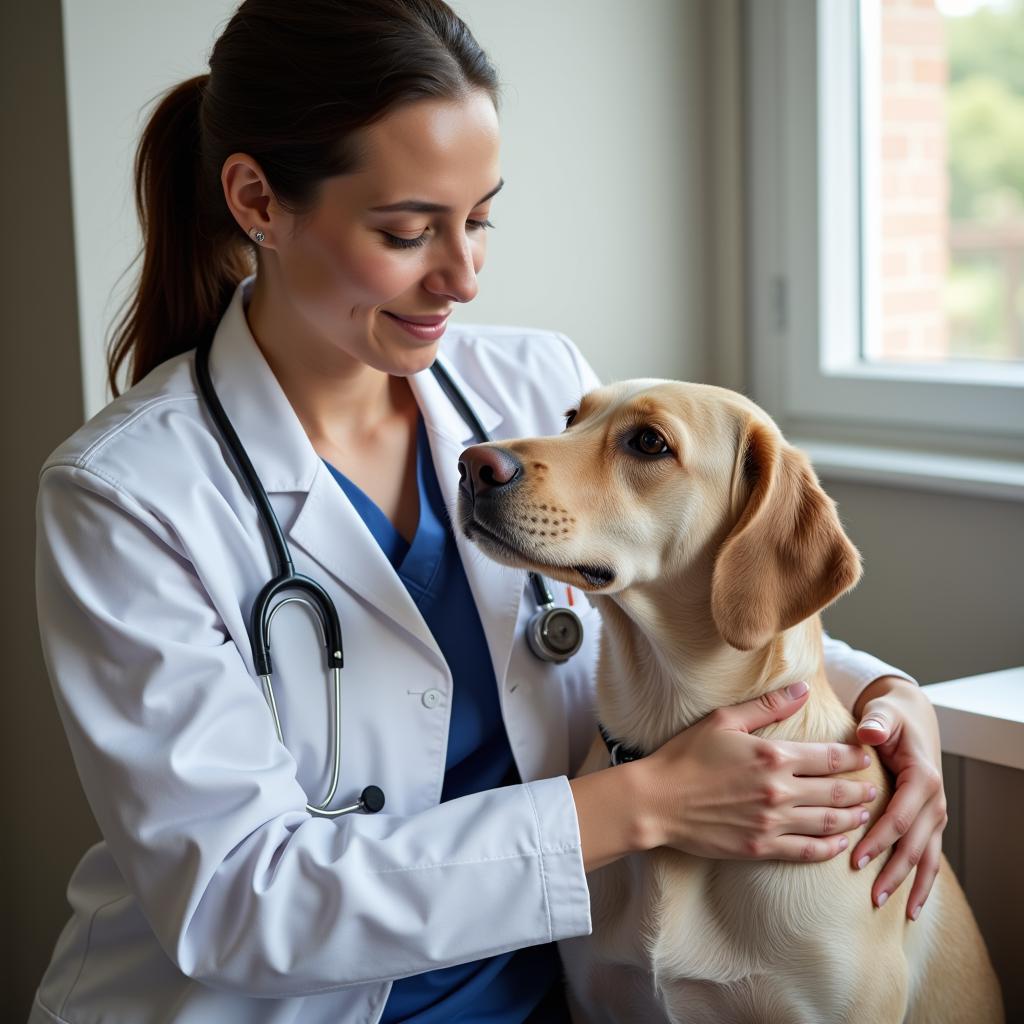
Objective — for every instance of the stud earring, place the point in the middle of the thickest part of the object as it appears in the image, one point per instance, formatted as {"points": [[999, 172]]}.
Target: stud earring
{"points": [[256, 234]]}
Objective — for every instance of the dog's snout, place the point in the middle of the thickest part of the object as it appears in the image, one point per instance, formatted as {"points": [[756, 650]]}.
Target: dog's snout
{"points": [[483, 468]]}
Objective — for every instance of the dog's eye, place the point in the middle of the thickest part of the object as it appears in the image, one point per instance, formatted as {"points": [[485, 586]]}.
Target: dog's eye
{"points": [[570, 416], [649, 441]]}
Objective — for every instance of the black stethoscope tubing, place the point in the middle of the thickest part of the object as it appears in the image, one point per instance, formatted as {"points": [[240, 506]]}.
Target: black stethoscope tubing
{"points": [[286, 576]]}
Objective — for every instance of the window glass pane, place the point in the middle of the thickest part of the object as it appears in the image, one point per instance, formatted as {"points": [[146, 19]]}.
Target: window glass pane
{"points": [[946, 218]]}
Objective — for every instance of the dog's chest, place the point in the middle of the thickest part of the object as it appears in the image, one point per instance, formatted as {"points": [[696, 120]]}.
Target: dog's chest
{"points": [[713, 919], [709, 940]]}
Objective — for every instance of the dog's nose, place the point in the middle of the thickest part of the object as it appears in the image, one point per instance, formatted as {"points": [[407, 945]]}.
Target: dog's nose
{"points": [[483, 468]]}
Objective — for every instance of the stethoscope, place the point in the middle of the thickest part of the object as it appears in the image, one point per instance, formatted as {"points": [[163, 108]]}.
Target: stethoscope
{"points": [[553, 634]]}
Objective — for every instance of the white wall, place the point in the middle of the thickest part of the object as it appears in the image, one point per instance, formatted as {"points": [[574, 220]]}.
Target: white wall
{"points": [[599, 224], [601, 155], [119, 56]]}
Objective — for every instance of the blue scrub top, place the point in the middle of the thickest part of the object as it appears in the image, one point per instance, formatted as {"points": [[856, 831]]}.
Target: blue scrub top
{"points": [[501, 989]]}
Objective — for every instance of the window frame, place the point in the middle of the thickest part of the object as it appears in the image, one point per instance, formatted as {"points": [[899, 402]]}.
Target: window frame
{"points": [[804, 285]]}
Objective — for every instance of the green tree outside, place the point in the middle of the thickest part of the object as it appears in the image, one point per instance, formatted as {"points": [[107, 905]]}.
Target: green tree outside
{"points": [[985, 120]]}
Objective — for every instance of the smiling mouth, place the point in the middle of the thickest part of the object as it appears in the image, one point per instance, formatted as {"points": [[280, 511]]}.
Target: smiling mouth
{"points": [[419, 321], [596, 576]]}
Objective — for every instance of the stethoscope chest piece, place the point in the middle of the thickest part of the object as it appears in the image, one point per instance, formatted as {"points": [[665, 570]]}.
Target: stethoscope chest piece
{"points": [[554, 634]]}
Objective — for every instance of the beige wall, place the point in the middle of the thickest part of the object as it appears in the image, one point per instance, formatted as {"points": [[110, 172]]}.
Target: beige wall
{"points": [[47, 823], [943, 582]]}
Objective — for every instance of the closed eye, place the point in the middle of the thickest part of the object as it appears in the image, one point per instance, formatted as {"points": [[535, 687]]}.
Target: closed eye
{"points": [[570, 415], [397, 242]]}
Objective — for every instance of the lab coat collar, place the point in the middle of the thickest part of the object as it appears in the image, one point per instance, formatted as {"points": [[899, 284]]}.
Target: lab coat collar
{"points": [[258, 408], [441, 416]]}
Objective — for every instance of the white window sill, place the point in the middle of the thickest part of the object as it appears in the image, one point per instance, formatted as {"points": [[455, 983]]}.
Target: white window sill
{"points": [[927, 471], [982, 717]]}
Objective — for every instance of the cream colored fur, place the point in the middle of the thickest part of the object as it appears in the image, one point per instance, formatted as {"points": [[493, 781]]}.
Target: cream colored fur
{"points": [[723, 551]]}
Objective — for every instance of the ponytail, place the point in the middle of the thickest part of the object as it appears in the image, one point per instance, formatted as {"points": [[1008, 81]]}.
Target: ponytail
{"points": [[192, 260], [290, 82]]}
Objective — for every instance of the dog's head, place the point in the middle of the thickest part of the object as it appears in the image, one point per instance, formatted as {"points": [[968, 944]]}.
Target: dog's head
{"points": [[652, 480]]}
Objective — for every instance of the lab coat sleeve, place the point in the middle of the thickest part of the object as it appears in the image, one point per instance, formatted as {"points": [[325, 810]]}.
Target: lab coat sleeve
{"points": [[200, 806], [850, 671]]}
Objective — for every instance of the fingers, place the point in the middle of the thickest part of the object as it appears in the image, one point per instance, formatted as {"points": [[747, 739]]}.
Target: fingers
{"points": [[909, 853], [822, 758], [805, 848], [831, 792], [824, 821], [874, 728], [915, 816], [927, 870], [913, 790], [769, 707]]}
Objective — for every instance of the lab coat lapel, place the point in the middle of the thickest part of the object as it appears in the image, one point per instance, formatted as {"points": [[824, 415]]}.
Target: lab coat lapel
{"points": [[497, 589], [330, 530], [326, 527]]}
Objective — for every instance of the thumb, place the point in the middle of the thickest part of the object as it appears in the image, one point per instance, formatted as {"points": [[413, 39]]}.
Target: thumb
{"points": [[770, 707], [874, 727]]}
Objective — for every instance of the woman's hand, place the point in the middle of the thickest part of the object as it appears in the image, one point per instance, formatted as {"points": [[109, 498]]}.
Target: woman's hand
{"points": [[896, 717], [716, 791]]}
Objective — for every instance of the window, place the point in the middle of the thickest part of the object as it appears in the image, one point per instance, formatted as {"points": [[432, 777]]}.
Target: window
{"points": [[944, 129], [886, 212]]}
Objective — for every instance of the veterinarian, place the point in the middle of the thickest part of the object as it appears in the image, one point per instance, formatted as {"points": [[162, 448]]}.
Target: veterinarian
{"points": [[317, 205]]}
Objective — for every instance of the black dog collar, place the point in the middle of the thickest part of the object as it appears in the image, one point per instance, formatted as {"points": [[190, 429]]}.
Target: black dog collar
{"points": [[618, 753]]}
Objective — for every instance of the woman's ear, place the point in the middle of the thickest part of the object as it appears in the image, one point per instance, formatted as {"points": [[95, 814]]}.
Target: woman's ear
{"points": [[787, 557]]}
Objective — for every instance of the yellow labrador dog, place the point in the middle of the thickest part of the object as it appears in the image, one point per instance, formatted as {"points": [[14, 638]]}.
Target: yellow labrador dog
{"points": [[709, 547]]}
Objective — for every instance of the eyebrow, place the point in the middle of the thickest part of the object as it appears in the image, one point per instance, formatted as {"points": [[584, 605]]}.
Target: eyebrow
{"points": [[419, 206]]}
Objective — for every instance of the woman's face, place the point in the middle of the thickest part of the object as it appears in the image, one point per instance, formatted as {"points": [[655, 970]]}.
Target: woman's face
{"points": [[404, 237]]}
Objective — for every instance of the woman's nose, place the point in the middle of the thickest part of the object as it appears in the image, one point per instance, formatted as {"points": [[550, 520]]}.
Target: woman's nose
{"points": [[455, 275]]}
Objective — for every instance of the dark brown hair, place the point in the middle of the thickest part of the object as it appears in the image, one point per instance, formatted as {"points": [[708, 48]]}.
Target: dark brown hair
{"points": [[290, 81]]}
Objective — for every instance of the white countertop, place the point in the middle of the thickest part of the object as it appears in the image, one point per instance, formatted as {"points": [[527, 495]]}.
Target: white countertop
{"points": [[982, 716]]}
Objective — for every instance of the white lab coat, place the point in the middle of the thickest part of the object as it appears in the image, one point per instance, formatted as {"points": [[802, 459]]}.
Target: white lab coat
{"points": [[214, 896]]}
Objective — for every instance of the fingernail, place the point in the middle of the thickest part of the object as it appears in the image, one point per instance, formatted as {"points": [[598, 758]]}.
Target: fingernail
{"points": [[795, 690], [843, 842], [864, 816], [871, 723], [882, 897], [872, 792], [867, 760], [917, 910], [862, 861]]}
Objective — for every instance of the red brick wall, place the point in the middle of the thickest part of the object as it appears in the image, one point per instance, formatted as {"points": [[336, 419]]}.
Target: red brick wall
{"points": [[914, 244]]}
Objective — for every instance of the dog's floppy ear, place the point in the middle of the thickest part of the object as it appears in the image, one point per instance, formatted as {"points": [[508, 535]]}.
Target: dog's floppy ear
{"points": [[787, 556]]}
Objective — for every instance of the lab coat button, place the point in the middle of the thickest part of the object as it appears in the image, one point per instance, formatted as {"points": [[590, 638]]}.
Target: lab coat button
{"points": [[431, 698]]}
